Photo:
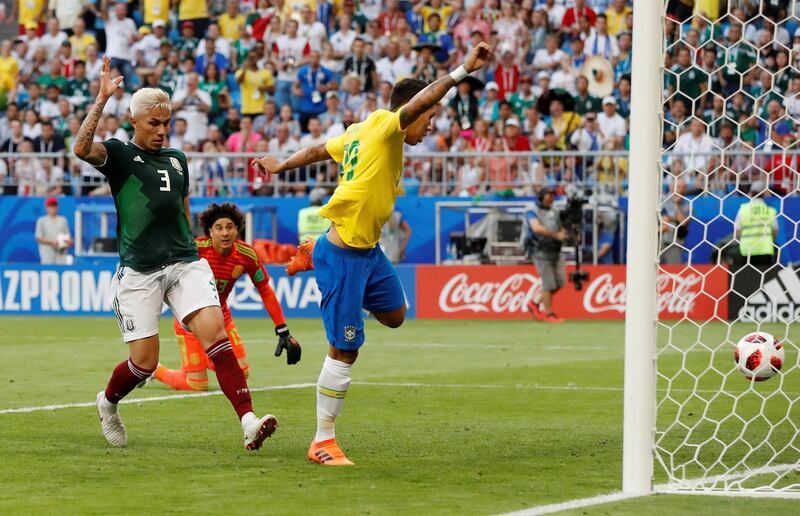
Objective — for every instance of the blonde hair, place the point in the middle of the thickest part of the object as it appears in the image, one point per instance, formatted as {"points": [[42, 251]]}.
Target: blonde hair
{"points": [[149, 98]]}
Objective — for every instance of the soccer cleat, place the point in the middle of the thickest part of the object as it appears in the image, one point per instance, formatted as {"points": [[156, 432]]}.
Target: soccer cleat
{"points": [[256, 432], [301, 261], [536, 313], [553, 318], [328, 453], [110, 422]]}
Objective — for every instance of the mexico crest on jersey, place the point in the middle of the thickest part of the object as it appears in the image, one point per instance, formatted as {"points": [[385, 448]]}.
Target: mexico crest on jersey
{"points": [[176, 164]]}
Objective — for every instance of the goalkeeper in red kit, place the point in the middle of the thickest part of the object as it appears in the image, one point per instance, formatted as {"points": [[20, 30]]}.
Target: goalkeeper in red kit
{"points": [[229, 259]]}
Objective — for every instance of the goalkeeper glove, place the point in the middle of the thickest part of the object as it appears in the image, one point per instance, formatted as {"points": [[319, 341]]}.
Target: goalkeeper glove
{"points": [[289, 343]]}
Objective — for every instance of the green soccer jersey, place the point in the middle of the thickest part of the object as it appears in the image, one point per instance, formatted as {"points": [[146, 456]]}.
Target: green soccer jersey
{"points": [[149, 191]]}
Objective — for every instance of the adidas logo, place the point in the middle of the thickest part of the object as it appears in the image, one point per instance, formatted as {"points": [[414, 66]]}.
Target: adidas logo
{"points": [[138, 158], [777, 301]]}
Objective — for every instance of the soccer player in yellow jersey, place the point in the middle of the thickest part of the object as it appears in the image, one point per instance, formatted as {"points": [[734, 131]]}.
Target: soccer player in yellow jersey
{"points": [[352, 273]]}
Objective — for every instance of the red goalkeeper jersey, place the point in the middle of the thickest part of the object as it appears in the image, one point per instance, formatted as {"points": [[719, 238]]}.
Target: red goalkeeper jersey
{"points": [[228, 269]]}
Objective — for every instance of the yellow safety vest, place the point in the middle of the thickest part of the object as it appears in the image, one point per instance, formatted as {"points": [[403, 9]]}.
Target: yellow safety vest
{"points": [[756, 221], [310, 224]]}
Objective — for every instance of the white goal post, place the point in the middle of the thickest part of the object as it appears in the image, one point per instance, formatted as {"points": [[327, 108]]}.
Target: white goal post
{"points": [[642, 255], [692, 423]]}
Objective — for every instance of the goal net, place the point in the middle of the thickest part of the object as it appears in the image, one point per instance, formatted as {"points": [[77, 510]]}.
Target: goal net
{"points": [[731, 125]]}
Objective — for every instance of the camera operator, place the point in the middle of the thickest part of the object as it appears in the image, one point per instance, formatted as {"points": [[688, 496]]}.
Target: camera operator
{"points": [[545, 237]]}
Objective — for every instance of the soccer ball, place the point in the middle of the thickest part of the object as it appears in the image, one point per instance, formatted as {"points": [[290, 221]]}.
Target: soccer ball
{"points": [[758, 356], [62, 240]]}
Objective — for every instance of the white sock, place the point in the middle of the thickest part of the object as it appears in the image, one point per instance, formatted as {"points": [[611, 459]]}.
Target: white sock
{"points": [[334, 379], [111, 407], [247, 419]]}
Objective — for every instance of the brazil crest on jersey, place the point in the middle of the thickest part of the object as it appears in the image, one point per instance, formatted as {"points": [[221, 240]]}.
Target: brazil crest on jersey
{"points": [[149, 190]]}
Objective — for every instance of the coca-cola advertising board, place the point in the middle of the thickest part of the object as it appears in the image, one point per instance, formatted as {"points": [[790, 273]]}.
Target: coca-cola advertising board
{"points": [[503, 292]]}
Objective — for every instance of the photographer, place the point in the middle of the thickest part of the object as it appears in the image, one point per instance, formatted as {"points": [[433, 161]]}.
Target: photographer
{"points": [[545, 237]]}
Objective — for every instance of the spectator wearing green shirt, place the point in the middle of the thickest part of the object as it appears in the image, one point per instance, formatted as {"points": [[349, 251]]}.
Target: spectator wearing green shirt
{"points": [[585, 102], [54, 77], [78, 86], [737, 59], [213, 84], [524, 97], [764, 93], [689, 81], [187, 43]]}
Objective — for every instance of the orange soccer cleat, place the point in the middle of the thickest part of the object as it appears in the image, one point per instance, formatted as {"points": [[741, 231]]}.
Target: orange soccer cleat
{"points": [[553, 318], [301, 261], [328, 453], [535, 311]]}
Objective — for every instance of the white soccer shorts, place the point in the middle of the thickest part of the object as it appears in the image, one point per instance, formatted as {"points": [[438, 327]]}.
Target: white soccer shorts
{"points": [[138, 296]]}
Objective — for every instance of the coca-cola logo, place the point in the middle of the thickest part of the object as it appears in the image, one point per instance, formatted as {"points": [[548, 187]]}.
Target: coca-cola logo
{"points": [[508, 296], [676, 293]]}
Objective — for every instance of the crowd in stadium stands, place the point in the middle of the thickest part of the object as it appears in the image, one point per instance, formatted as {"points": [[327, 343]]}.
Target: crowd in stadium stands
{"points": [[271, 76]]}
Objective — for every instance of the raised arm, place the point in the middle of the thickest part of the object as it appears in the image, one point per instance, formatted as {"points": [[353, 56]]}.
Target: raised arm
{"points": [[433, 93], [301, 158], [85, 147]]}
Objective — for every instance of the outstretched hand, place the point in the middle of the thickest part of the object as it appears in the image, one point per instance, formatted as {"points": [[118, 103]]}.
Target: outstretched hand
{"points": [[478, 57], [269, 164], [108, 85]]}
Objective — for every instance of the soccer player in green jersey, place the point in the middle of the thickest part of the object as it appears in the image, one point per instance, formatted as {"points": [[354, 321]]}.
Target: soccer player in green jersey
{"points": [[159, 262]]}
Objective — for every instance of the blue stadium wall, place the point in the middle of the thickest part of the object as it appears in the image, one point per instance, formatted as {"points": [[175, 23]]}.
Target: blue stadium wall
{"points": [[18, 219]]}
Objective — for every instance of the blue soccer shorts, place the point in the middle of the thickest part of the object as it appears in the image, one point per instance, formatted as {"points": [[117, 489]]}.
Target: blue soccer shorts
{"points": [[350, 280]]}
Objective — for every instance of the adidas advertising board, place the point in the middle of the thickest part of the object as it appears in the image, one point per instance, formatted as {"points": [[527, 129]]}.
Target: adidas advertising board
{"points": [[765, 294]]}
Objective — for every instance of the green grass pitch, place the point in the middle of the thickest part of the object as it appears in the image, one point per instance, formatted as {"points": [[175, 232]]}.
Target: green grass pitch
{"points": [[459, 417]]}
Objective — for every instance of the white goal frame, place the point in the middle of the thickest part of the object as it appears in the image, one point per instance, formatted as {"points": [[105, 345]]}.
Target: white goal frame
{"points": [[641, 328], [639, 418]]}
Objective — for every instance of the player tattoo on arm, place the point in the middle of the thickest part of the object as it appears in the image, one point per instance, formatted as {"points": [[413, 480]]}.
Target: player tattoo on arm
{"points": [[433, 93], [85, 148], [424, 100], [301, 158]]}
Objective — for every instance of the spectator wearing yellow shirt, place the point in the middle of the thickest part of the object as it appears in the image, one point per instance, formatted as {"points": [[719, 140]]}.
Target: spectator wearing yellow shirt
{"points": [[255, 84], [195, 11], [9, 71], [615, 17], [291, 8], [428, 7], [156, 10], [29, 11], [563, 122], [231, 21], [80, 40]]}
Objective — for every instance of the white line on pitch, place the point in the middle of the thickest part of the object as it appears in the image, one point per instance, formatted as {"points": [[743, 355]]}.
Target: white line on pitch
{"points": [[167, 397], [698, 483], [203, 394], [685, 487], [573, 504], [154, 398]]}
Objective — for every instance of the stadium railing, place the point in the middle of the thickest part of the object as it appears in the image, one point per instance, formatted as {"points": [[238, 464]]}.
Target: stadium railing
{"points": [[459, 174]]}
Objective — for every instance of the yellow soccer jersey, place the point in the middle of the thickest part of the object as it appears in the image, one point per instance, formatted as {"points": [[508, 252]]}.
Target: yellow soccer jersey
{"points": [[156, 10], [29, 10], [192, 9], [229, 27], [371, 154], [252, 97]]}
